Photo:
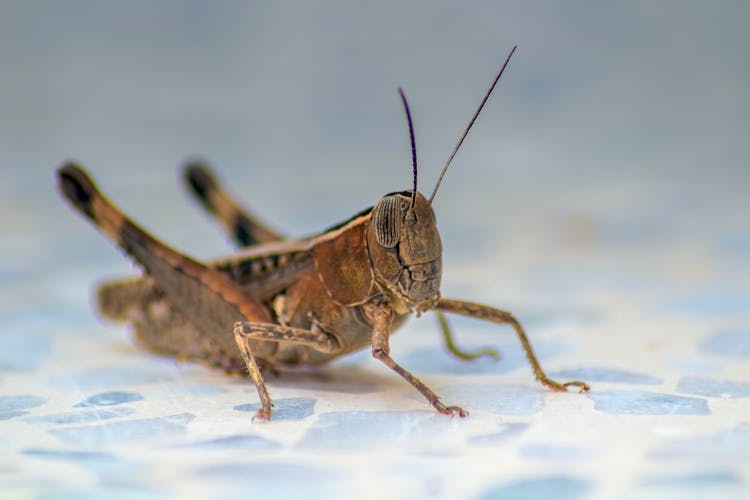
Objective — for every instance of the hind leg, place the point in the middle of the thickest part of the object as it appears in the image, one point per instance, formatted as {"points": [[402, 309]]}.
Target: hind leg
{"points": [[242, 227], [158, 324], [209, 298]]}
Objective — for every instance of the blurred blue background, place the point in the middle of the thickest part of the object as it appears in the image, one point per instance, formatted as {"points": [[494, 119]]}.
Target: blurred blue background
{"points": [[618, 133], [602, 196], [612, 157]]}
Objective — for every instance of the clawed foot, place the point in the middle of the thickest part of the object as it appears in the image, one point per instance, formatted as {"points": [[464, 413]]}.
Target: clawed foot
{"points": [[557, 386], [262, 415], [450, 410]]}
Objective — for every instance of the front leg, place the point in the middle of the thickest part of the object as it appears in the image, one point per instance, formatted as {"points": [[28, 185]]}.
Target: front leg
{"points": [[450, 344], [499, 316], [381, 351]]}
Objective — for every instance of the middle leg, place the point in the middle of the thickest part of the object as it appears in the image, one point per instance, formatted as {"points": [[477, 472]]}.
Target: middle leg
{"points": [[247, 331]]}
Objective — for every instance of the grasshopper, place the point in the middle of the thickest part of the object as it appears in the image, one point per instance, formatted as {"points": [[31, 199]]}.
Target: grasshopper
{"points": [[288, 302]]}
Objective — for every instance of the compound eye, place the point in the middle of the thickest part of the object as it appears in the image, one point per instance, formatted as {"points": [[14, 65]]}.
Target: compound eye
{"points": [[387, 222]]}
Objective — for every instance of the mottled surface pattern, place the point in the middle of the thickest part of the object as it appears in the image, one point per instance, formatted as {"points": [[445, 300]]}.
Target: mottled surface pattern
{"points": [[603, 198]]}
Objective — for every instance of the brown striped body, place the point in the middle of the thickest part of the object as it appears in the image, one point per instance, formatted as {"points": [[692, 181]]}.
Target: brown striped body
{"points": [[285, 303], [283, 276]]}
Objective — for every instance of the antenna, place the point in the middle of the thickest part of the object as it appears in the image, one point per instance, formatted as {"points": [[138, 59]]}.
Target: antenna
{"points": [[413, 144], [471, 123]]}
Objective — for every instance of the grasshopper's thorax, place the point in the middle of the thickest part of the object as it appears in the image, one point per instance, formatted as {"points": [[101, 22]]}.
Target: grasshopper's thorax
{"points": [[405, 250]]}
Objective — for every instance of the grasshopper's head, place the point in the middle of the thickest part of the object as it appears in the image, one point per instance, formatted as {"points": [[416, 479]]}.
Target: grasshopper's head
{"points": [[402, 238], [405, 249]]}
